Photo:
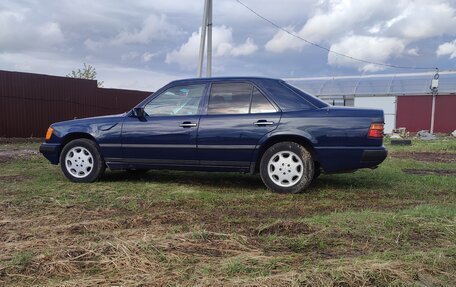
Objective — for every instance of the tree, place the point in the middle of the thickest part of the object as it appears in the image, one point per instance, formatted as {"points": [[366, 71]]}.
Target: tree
{"points": [[88, 72]]}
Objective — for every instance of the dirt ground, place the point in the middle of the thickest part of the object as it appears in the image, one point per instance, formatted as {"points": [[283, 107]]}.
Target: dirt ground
{"points": [[8, 154], [427, 171], [223, 230], [427, 156]]}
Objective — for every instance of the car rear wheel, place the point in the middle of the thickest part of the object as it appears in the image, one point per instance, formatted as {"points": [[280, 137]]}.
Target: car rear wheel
{"points": [[81, 161], [287, 167]]}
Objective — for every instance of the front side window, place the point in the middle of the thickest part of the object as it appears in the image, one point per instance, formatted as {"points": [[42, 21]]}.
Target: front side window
{"points": [[231, 98], [176, 101]]}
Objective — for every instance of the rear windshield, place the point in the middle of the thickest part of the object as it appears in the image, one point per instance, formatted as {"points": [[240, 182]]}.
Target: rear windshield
{"points": [[312, 99]]}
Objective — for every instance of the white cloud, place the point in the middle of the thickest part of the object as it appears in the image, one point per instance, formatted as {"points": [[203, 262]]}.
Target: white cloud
{"points": [[133, 55], [448, 48], [409, 20], [424, 19], [375, 49], [113, 76], [282, 41], [148, 35], [147, 56], [222, 45], [154, 27], [386, 27], [93, 45], [413, 52], [339, 18], [17, 33], [51, 31], [247, 48]]}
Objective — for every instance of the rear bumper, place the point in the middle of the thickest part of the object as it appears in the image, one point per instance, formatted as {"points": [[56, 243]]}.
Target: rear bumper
{"points": [[50, 152], [339, 159], [374, 156]]}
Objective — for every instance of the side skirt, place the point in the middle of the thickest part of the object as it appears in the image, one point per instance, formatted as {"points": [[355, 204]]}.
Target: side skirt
{"points": [[187, 165]]}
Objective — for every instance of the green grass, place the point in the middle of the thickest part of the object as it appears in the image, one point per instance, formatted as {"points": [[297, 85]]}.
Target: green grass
{"points": [[379, 227], [441, 145], [21, 260]]}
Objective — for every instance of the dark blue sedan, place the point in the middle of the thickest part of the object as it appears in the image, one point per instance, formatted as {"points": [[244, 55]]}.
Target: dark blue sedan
{"points": [[241, 124]]}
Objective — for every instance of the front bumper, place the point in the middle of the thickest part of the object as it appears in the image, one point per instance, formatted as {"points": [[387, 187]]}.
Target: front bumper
{"points": [[51, 152]]}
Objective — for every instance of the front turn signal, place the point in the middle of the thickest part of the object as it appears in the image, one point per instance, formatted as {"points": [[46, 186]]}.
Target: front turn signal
{"points": [[49, 133], [376, 130]]}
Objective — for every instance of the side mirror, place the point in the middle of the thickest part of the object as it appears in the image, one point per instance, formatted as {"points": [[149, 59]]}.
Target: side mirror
{"points": [[139, 113]]}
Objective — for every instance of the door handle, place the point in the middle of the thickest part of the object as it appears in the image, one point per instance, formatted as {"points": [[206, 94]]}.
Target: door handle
{"points": [[187, 125], [263, 123]]}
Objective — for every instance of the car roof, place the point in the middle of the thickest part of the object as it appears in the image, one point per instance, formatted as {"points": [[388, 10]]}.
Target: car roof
{"points": [[243, 78]]}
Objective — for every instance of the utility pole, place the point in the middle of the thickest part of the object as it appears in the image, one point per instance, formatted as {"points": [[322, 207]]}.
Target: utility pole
{"points": [[206, 23], [435, 91], [209, 40]]}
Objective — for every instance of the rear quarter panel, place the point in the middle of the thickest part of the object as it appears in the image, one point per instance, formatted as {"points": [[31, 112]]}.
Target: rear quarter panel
{"points": [[338, 135]]}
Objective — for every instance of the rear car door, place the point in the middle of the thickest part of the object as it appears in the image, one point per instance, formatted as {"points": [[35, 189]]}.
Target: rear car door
{"points": [[167, 134], [238, 116]]}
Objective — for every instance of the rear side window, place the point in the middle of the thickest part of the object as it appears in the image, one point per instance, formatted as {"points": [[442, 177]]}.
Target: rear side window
{"points": [[260, 104], [285, 98], [230, 98]]}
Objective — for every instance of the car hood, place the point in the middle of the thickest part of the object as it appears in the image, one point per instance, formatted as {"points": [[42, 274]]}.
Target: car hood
{"points": [[91, 120]]}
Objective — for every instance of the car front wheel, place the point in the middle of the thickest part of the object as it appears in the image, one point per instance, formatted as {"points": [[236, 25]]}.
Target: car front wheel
{"points": [[287, 167], [81, 161]]}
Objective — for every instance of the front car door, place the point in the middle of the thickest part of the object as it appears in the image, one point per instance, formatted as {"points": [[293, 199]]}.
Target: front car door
{"points": [[238, 116], [167, 134]]}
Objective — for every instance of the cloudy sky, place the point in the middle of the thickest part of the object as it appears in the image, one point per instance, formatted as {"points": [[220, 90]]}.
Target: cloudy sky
{"points": [[143, 44]]}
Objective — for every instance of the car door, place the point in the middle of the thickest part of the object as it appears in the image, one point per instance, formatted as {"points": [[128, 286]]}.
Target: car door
{"points": [[238, 115], [167, 133]]}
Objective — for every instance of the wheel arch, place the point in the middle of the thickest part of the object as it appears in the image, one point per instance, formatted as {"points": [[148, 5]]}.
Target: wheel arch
{"points": [[73, 136], [299, 139]]}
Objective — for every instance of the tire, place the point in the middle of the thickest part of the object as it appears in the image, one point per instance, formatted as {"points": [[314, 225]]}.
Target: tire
{"points": [[80, 161], [287, 167]]}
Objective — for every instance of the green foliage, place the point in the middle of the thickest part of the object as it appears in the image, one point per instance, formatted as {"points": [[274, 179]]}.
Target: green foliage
{"points": [[88, 72]]}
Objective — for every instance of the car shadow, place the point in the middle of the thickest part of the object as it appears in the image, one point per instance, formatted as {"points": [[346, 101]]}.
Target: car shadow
{"points": [[209, 179], [350, 181], [236, 180]]}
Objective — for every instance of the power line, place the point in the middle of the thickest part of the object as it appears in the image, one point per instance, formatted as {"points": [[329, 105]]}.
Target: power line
{"points": [[329, 50]]}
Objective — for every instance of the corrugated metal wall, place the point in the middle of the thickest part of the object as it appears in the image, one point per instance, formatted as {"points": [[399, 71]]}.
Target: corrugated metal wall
{"points": [[414, 113], [29, 103], [445, 113]]}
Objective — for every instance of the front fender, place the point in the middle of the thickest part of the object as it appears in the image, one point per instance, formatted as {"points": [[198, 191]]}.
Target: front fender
{"points": [[106, 132]]}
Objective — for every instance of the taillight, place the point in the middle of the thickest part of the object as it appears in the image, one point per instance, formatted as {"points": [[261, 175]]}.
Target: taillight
{"points": [[49, 133], [376, 130]]}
